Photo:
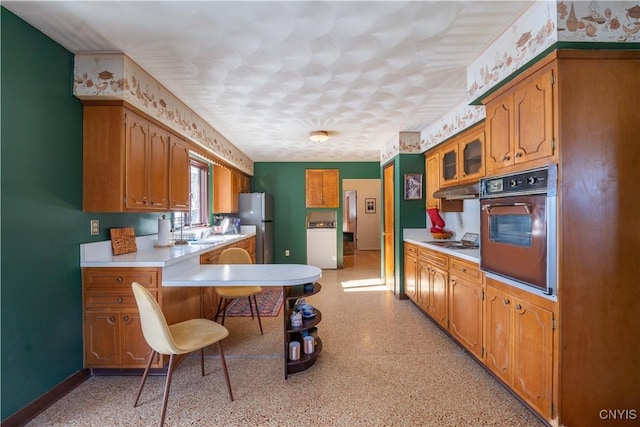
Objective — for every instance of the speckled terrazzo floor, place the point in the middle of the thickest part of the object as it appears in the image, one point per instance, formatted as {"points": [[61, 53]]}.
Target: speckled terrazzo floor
{"points": [[383, 363]]}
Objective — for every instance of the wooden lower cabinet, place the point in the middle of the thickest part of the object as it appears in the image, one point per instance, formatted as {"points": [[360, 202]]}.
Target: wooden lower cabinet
{"points": [[432, 284], [411, 271], [519, 340], [510, 331], [115, 339], [112, 332], [466, 304]]}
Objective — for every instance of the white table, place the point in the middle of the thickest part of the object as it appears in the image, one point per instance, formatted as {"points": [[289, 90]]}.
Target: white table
{"points": [[241, 274], [272, 275]]}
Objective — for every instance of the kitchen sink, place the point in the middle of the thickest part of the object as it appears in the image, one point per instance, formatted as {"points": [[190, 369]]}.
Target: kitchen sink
{"points": [[214, 239]]}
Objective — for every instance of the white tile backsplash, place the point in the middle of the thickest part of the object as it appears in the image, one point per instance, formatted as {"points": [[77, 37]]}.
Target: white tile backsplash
{"points": [[467, 221]]}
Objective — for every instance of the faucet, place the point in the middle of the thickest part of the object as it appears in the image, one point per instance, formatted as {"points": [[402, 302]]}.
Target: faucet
{"points": [[206, 233]]}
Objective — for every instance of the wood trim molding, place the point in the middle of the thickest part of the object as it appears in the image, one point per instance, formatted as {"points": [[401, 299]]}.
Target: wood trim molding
{"points": [[34, 408]]}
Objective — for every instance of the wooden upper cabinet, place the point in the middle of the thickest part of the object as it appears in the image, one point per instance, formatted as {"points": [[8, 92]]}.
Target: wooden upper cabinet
{"points": [[147, 165], [126, 163], [432, 166], [179, 175], [471, 156], [533, 118], [449, 165], [221, 189], [322, 188], [227, 184], [520, 124]]}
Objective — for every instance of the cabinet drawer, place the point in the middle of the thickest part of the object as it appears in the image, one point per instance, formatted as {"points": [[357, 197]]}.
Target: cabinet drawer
{"points": [[111, 299], [467, 270], [434, 258], [410, 249], [107, 278], [210, 257]]}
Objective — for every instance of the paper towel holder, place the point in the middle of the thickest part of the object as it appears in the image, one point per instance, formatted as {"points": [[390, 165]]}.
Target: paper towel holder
{"points": [[158, 244]]}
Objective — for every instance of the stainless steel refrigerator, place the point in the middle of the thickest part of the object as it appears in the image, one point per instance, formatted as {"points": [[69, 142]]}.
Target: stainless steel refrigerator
{"points": [[257, 209]]}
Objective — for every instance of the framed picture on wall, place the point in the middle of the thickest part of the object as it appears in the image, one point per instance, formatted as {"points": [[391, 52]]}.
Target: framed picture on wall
{"points": [[412, 186], [369, 206]]}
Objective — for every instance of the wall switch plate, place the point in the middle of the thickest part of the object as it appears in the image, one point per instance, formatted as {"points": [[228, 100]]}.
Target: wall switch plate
{"points": [[286, 252], [95, 227]]}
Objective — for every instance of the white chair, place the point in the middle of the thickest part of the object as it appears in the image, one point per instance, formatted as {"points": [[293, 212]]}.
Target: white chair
{"points": [[181, 338], [229, 293]]}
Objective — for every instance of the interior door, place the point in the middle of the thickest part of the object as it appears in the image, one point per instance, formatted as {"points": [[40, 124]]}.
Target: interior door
{"points": [[388, 232], [350, 211]]}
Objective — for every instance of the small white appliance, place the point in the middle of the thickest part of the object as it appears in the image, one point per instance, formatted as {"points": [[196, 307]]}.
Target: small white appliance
{"points": [[322, 239]]}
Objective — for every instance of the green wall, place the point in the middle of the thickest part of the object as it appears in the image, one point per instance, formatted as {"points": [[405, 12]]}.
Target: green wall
{"points": [[42, 219], [286, 181]]}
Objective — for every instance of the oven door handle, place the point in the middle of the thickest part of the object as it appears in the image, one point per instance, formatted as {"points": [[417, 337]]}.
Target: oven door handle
{"points": [[510, 209]]}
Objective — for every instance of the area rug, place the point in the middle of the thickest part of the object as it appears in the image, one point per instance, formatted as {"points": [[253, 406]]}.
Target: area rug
{"points": [[269, 303]]}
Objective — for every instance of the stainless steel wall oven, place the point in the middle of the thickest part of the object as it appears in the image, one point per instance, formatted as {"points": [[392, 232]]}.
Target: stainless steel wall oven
{"points": [[518, 227]]}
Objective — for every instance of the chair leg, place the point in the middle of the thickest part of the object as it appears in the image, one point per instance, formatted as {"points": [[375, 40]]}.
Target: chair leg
{"points": [[144, 377], [215, 317], [222, 309], [250, 307], [202, 360], [226, 372], [167, 386], [257, 312]]}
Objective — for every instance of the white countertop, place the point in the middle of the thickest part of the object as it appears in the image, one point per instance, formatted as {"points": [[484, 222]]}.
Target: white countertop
{"points": [[420, 237], [242, 274], [99, 254]]}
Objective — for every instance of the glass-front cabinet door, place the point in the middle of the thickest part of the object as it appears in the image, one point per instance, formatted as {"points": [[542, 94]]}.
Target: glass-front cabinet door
{"points": [[449, 171], [471, 149]]}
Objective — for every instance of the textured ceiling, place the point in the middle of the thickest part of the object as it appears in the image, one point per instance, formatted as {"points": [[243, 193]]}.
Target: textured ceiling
{"points": [[266, 74]]}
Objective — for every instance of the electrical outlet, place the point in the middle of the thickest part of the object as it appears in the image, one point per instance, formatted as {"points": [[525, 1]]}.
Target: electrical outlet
{"points": [[286, 252], [95, 227]]}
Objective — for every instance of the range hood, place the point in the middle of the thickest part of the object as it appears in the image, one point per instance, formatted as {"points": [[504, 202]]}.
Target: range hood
{"points": [[466, 191]]}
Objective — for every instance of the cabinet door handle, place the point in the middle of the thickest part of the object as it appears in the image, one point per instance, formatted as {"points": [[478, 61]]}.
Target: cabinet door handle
{"points": [[518, 155], [119, 300], [112, 319], [119, 280], [464, 270], [518, 307], [507, 158], [126, 318], [506, 301]]}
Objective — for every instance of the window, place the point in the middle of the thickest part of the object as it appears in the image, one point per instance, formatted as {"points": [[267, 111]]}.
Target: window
{"points": [[199, 192], [198, 214]]}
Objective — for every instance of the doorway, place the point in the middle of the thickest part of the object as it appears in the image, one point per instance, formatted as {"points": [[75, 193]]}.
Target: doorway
{"points": [[361, 219], [389, 234]]}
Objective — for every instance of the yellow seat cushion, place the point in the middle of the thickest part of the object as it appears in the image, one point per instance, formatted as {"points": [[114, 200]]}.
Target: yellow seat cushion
{"points": [[230, 292], [195, 334]]}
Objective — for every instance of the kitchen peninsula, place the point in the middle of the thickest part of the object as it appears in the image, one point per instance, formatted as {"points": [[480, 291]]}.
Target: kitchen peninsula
{"points": [[182, 278]]}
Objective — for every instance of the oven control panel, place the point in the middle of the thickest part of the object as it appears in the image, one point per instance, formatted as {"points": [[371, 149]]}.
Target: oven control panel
{"points": [[534, 181]]}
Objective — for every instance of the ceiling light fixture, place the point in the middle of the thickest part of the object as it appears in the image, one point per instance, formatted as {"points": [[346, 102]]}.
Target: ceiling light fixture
{"points": [[318, 136]]}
